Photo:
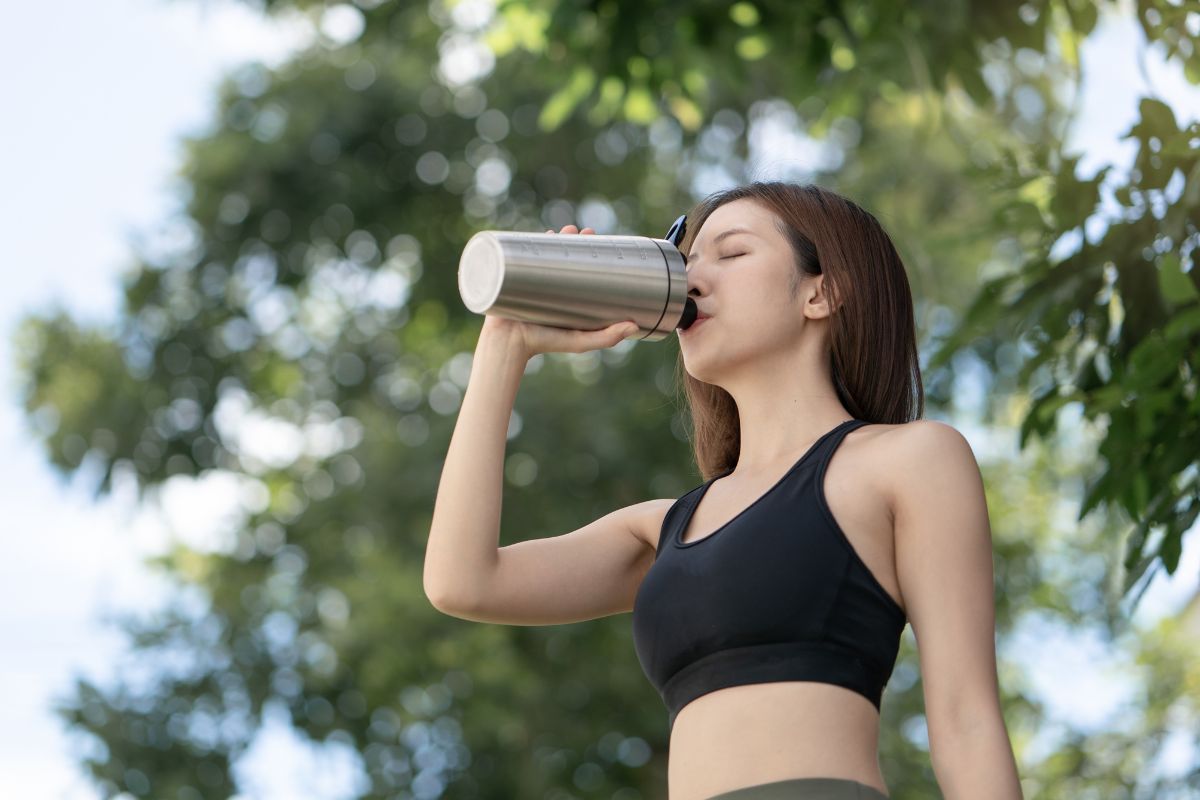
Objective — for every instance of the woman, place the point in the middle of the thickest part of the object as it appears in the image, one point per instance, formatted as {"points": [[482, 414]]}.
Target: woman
{"points": [[771, 641]]}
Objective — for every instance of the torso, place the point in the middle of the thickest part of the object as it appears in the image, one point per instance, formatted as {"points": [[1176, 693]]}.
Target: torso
{"points": [[757, 733]]}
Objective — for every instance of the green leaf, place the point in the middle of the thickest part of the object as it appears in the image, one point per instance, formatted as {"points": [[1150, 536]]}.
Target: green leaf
{"points": [[1191, 70], [1171, 546], [1068, 43], [687, 112], [1157, 118], [1084, 15], [1151, 361], [1097, 492], [612, 91], [753, 47], [518, 27], [1135, 563], [563, 102], [1183, 324], [1175, 285], [640, 106], [744, 14]]}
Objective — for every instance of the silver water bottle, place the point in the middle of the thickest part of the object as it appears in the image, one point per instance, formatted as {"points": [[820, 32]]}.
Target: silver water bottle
{"points": [[583, 282]]}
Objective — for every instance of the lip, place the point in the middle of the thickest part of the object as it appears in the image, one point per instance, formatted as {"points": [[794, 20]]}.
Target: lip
{"points": [[694, 325]]}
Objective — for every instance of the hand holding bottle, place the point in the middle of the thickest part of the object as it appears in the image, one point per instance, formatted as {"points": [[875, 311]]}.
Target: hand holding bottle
{"points": [[531, 338]]}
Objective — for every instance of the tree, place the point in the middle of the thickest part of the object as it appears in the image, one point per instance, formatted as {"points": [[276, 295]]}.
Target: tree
{"points": [[315, 288]]}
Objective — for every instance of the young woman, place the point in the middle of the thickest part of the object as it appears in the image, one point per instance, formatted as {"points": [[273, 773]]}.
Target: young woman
{"points": [[769, 601]]}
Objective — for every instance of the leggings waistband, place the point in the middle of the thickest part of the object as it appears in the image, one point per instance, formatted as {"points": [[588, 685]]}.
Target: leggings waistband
{"points": [[805, 789]]}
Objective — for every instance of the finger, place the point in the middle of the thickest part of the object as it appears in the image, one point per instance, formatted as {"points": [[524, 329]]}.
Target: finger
{"points": [[622, 329], [588, 230], [583, 341], [569, 229]]}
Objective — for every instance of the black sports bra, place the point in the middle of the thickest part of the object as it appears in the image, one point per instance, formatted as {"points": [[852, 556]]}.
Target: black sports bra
{"points": [[775, 594]]}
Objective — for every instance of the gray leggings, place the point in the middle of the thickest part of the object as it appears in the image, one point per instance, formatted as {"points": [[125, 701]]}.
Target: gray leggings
{"points": [[805, 789]]}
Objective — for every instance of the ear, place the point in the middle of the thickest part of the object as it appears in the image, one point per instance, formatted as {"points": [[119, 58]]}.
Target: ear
{"points": [[818, 299]]}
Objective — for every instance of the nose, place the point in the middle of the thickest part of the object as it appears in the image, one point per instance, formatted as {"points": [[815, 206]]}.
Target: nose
{"points": [[696, 283], [691, 310]]}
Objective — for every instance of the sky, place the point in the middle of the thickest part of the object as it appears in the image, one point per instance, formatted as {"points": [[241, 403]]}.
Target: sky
{"points": [[103, 93]]}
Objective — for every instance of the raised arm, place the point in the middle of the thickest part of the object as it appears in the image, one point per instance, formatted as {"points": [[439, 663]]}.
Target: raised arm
{"points": [[463, 572], [460, 555]]}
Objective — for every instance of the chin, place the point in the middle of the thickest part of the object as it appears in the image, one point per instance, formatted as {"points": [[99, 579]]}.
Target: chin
{"points": [[702, 369]]}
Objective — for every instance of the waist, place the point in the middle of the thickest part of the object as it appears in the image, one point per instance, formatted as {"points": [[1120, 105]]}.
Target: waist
{"points": [[758, 733]]}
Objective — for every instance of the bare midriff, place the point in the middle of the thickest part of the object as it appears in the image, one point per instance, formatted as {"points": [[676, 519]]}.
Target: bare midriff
{"points": [[757, 733]]}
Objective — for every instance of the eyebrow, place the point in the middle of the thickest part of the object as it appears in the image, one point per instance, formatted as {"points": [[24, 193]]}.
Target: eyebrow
{"points": [[722, 235]]}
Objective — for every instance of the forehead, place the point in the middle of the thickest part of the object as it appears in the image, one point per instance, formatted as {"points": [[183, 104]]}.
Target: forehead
{"points": [[740, 213]]}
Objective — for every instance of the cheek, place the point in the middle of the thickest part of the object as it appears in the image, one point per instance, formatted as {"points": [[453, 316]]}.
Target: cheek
{"points": [[773, 323], [773, 309]]}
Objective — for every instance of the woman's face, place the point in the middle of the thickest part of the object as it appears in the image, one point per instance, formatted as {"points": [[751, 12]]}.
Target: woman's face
{"points": [[741, 280]]}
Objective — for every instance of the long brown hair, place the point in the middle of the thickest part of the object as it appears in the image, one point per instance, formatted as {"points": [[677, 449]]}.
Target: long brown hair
{"points": [[872, 343]]}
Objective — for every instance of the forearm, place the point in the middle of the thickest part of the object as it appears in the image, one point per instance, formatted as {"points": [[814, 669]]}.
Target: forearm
{"points": [[465, 529], [976, 763]]}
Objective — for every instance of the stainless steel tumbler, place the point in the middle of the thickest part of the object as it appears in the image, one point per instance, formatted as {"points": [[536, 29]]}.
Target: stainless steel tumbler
{"points": [[583, 282]]}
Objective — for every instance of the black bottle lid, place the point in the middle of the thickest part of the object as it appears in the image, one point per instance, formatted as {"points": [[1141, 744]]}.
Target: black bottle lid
{"points": [[675, 236]]}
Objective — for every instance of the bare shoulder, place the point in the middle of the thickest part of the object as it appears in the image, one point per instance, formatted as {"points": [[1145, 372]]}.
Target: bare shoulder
{"points": [[898, 439], [902, 452], [924, 437]]}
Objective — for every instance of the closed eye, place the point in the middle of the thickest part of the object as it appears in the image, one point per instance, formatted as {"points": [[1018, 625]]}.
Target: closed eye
{"points": [[735, 255]]}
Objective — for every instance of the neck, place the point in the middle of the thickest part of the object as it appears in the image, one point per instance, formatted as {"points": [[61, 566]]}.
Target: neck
{"points": [[782, 410]]}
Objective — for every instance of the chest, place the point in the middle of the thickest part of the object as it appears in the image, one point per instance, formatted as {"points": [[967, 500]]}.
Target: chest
{"points": [[850, 499]]}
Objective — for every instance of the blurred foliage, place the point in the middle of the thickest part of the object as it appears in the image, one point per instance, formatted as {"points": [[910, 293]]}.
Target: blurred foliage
{"points": [[1111, 321], [303, 332]]}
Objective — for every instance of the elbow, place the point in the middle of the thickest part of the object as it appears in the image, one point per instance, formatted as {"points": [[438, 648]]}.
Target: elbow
{"points": [[453, 591], [446, 602], [437, 597], [435, 594], [952, 739]]}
